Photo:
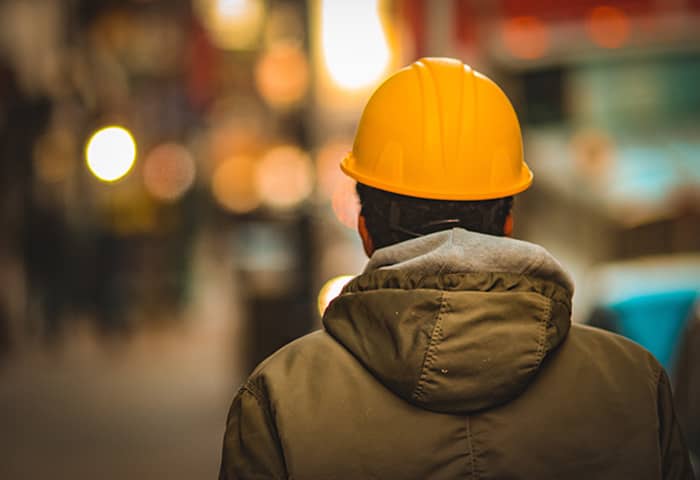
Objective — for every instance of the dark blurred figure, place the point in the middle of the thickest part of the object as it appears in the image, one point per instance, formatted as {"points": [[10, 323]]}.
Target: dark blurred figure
{"points": [[45, 243], [9, 193], [32, 230]]}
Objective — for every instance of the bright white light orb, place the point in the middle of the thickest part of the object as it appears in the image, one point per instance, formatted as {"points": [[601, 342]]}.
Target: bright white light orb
{"points": [[231, 24], [355, 45], [231, 8], [110, 153]]}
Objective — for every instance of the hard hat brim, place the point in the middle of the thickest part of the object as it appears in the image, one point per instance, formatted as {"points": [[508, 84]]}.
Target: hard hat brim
{"points": [[519, 187]]}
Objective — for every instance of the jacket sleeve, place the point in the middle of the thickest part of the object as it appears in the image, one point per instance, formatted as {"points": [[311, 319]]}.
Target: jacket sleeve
{"points": [[251, 446], [686, 391], [675, 461]]}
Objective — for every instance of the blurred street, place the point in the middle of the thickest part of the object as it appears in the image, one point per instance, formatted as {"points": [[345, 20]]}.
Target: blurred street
{"points": [[151, 405]]}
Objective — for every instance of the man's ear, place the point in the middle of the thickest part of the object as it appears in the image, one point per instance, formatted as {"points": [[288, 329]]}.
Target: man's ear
{"points": [[367, 242], [508, 225]]}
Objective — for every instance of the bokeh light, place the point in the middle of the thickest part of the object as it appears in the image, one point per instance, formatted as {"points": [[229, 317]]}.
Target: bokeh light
{"points": [[284, 177], [168, 171], [345, 203], [328, 159], [233, 186], [333, 184], [232, 24], [330, 290], [526, 37], [234, 137], [110, 153], [354, 42], [608, 26], [282, 74]]}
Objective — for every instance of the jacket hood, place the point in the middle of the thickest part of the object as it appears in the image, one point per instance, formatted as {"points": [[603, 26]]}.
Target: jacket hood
{"points": [[454, 321]]}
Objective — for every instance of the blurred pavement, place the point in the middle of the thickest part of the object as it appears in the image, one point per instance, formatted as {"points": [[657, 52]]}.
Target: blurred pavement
{"points": [[152, 405]]}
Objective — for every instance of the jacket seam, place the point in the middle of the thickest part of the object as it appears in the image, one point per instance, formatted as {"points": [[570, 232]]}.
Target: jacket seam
{"points": [[257, 395], [566, 305], [657, 375], [250, 388], [543, 332], [472, 450], [430, 353], [375, 280], [659, 426], [657, 383]]}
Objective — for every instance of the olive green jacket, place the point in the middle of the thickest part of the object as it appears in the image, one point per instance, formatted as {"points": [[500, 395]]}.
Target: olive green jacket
{"points": [[453, 357]]}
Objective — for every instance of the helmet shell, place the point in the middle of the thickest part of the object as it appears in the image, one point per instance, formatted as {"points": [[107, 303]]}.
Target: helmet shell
{"points": [[438, 129]]}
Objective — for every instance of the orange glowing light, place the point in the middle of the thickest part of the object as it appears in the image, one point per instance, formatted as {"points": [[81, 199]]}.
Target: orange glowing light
{"points": [[234, 137], [608, 26], [232, 184], [328, 171], [526, 37], [284, 177], [282, 75], [345, 203], [231, 24], [168, 172]]}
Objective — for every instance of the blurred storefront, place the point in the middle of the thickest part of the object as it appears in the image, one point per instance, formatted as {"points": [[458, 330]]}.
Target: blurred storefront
{"points": [[171, 194]]}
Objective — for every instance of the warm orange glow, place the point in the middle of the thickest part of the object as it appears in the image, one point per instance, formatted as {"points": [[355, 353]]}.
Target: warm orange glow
{"points": [[345, 203], [168, 172], [233, 186], [231, 24], [284, 177], [233, 137], [608, 26], [526, 37], [328, 171], [282, 75], [334, 185], [330, 290], [355, 42]]}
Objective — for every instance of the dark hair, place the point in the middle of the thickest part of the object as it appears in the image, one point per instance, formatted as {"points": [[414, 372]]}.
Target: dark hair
{"points": [[392, 218]]}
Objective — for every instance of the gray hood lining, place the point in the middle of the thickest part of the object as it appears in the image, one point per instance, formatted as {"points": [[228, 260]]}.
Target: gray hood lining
{"points": [[462, 251]]}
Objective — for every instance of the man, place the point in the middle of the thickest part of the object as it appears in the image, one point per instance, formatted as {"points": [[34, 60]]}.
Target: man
{"points": [[453, 355]]}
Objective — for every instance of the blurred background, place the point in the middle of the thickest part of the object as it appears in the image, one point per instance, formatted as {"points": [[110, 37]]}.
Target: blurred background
{"points": [[171, 208]]}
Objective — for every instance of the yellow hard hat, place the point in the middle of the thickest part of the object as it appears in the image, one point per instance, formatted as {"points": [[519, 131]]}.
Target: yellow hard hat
{"points": [[438, 129]]}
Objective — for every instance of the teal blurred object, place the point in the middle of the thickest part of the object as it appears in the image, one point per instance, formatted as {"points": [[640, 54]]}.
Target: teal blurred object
{"points": [[656, 321]]}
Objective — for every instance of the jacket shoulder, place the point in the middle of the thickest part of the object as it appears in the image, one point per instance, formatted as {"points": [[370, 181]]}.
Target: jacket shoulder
{"points": [[606, 339], [311, 355], [614, 351]]}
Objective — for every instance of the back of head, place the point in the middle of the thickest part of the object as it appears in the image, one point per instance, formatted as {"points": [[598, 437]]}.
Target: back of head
{"points": [[392, 218], [438, 146]]}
